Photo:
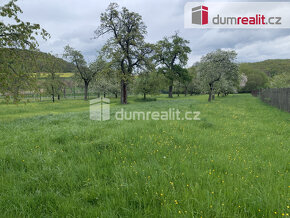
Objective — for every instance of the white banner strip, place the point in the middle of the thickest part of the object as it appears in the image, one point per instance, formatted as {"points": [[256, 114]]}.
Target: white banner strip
{"points": [[237, 15]]}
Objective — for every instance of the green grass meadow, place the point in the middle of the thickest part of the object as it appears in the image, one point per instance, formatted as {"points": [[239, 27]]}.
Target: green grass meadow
{"points": [[234, 162]]}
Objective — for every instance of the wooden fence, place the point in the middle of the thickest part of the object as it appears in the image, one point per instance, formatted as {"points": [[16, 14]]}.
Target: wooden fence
{"points": [[279, 98]]}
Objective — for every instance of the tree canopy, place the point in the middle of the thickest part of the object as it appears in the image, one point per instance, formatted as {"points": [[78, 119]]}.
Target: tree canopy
{"points": [[126, 46], [256, 79], [15, 32], [86, 72], [172, 56], [218, 67]]}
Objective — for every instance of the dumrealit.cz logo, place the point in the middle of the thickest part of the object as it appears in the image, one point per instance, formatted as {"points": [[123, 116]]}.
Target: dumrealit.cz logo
{"points": [[200, 15], [237, 15], [100, 110]]}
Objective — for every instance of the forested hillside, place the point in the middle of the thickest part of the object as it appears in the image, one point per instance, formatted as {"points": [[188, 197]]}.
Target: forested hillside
{"points": [[272, 67], [273, 73], [25, 58]]}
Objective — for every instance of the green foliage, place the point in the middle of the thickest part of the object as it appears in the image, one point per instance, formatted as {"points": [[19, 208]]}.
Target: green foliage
{"points": [[84, 71], [15, 69], [225, 87], [280, 81], [40, 60], [15, 32], [107, 81], [55, 162], [53, 82], [272, 67], [126, 47], [20, 70], [256, 79], [194, 86], [148, 83], [16, 73], [171, 54], [218, 72], [44, 66]]}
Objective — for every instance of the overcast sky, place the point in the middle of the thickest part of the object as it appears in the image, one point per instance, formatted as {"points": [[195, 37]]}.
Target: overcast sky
{"points": [[74, 21]]}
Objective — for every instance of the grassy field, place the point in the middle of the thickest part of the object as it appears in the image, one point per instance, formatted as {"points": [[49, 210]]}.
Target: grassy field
{"points": [[55, 162]]}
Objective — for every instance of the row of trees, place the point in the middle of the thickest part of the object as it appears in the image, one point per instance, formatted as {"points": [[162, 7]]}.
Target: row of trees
{"points": [[126, 55], [125, 63], [258, 79]]}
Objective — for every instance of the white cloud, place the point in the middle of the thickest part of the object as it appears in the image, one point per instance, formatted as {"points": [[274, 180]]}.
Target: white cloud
{"points": [[73, 22], [260, 50]]}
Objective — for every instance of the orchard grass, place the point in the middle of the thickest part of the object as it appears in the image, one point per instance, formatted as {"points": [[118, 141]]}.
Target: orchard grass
{"points": [[55, 162]]}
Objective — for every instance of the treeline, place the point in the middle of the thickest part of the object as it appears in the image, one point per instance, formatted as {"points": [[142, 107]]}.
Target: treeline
{"points": [[266, 74], [126, 60], [39, 58], [20, 72], [125, 64], [272, 67]]}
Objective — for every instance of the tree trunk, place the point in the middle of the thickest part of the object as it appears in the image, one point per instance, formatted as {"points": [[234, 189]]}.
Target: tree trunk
{"points": [[123, 92], [58, 97], [170, 91], [144, 96], [185, 92], [116, 95], [210, 92], [104, 94], [64, 93], [209, 96], [213, 97], [52, 95], [86, 90]]}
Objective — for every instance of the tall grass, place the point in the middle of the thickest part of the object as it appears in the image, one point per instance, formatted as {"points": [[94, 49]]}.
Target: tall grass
{"points": [[55, 162]]}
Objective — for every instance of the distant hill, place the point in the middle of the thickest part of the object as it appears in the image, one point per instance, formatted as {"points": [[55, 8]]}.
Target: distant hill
{"points": [[10, 54], [271, 67]]}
